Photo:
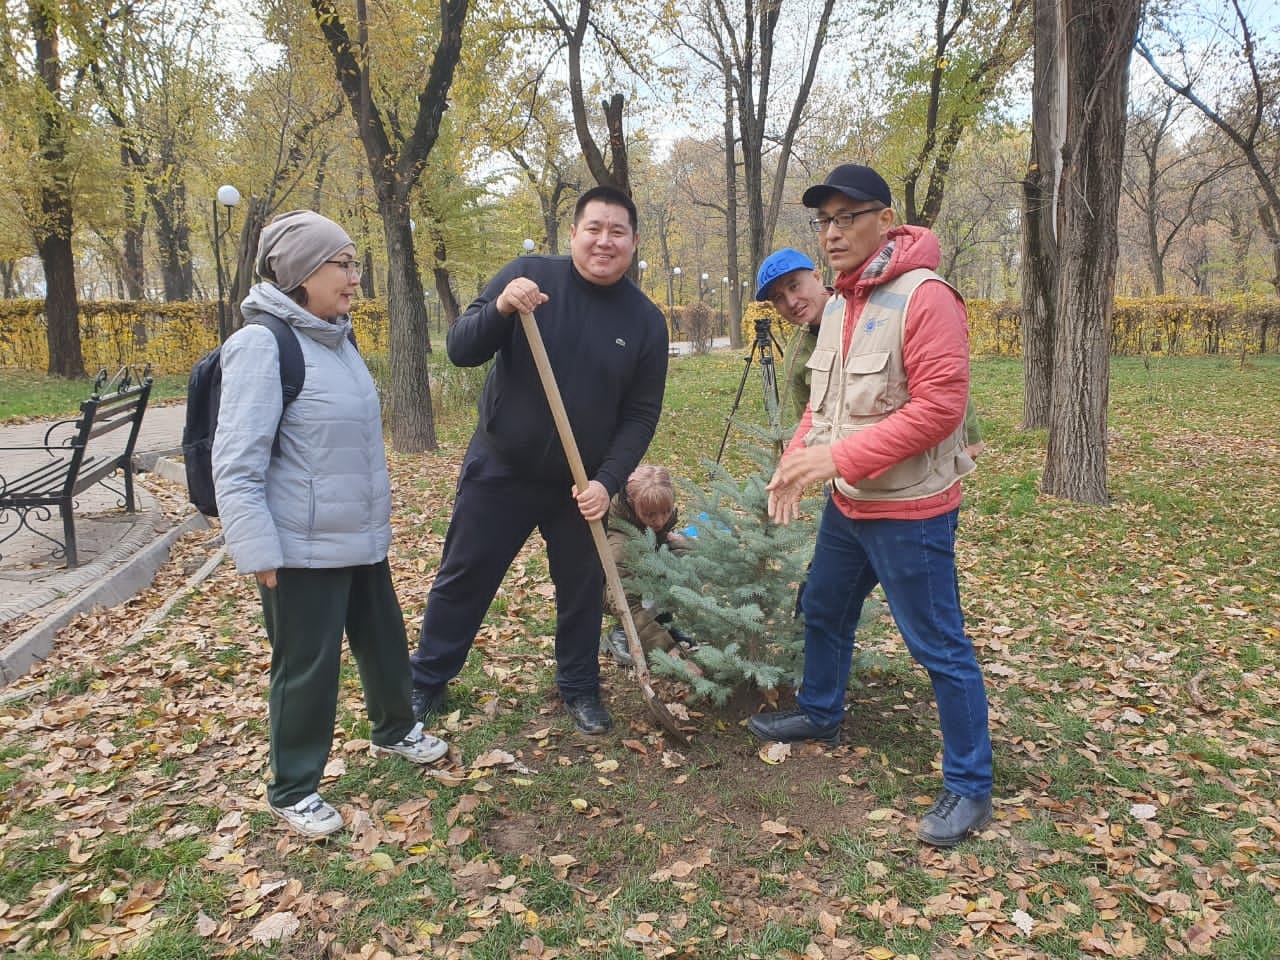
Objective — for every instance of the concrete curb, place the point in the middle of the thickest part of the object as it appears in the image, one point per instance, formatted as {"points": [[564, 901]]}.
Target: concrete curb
{"points": [[147, 460], [169, 469], [120, 584]]}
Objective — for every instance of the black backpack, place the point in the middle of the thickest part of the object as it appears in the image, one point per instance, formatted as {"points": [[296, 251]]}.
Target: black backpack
{"points": [[204, 395]]}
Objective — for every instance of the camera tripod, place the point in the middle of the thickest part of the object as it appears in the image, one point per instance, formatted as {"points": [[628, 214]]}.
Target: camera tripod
{"points": [[764, 344]]}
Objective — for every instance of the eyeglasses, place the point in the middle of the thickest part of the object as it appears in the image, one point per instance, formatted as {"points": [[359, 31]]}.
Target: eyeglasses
{"points": [[841, 221], [352, 267]]}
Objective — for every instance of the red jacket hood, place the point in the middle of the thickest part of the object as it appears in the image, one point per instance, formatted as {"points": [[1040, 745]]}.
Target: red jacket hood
{"points": [[908, 248]]}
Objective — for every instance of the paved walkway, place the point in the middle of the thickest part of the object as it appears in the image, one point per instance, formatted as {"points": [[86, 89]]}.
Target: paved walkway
{"points": [[33, 583]]}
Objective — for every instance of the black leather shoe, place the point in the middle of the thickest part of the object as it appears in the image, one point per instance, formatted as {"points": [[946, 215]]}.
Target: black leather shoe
{"points": [[615, 641], [589, 713], [787, 726], [953, 817], [429, 701]]}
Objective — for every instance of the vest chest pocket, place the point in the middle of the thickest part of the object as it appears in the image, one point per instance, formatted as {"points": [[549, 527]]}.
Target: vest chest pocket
{"points": [[820, 364], [866, 385]]}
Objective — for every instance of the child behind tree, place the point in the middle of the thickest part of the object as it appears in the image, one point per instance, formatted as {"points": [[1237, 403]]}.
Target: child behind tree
{"points": [[647, 500]]}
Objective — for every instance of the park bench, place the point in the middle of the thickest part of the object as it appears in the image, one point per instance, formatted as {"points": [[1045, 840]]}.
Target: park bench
{"points": [[77, 458]]}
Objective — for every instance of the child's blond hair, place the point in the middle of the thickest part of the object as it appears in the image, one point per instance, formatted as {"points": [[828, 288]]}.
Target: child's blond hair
{"points": [[650, 490]]}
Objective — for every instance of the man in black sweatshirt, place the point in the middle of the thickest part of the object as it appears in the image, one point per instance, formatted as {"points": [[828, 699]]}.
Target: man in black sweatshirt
{"points": [[607, 343]]}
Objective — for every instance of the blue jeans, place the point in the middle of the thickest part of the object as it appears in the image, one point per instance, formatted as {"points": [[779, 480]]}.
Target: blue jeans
{"points": [[914, 562]]}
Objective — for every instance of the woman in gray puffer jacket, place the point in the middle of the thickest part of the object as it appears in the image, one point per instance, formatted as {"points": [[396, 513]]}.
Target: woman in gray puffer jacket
{"points": [[310, 516]]}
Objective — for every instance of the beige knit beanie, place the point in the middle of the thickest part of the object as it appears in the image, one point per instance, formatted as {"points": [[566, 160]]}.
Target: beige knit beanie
{"points": [[294, 245]]}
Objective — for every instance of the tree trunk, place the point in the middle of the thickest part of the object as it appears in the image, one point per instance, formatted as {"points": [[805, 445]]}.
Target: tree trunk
{"points": [[1100, 37], [134, 274], [173, 233], [257, 210], [1040, 220], [413, 428], [134, 277], [394, 170], [619, 164], [61, 306], [731, 218], [54, 218], [449, 305], [1039, 296], [551, 213], [616, 171]]}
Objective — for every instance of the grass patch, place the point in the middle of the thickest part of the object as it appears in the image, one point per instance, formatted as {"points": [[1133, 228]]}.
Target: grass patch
{"points": [[1126, 648], [25, 394]]}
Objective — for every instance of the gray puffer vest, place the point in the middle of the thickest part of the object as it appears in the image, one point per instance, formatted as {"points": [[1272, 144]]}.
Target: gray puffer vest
{"points": [[324, 500]]}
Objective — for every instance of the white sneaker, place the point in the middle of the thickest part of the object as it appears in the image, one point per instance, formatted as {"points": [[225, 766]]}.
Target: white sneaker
{"points": [[416, 746], [311, 816]]}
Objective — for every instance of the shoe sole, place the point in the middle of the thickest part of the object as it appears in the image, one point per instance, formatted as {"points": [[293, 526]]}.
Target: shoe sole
{"points": [[309, 834], [945, 844], [377, 750], [831, 741]]}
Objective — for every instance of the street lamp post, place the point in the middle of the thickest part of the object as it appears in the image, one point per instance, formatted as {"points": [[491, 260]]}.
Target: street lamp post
{"points": [[671, 301], [675, 324], [528, 245], [724, 296], [702, 286], [643, 265], [227, 196]]}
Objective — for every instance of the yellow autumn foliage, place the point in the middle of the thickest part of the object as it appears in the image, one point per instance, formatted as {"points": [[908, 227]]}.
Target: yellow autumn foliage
{"points": [[170, 337], [1186, 326]]}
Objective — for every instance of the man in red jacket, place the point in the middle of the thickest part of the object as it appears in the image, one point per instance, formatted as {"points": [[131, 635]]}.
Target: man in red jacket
{"points": [[885, 431]]}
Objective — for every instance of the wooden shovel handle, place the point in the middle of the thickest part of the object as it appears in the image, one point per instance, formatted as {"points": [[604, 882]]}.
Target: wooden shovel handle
{"points": [[561, 416], [616, 593]]}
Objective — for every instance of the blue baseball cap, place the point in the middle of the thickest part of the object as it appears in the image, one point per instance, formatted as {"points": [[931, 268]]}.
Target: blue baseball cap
{"points": [[776, 264]]}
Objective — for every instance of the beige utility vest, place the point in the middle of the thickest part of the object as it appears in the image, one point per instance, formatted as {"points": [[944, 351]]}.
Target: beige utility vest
{"points": [[850, 392]]}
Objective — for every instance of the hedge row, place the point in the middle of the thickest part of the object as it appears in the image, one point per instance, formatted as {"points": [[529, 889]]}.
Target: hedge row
{"points": [[168, 336], [172, 336], [1140, 326], [1174, 325]]}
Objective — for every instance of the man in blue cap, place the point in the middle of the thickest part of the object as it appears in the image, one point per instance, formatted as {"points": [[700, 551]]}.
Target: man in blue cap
{"points": [[789, 280], [884, 433]]}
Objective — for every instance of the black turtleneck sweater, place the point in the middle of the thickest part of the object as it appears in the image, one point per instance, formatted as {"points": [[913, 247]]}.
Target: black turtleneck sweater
{"points": [[608, 350]]}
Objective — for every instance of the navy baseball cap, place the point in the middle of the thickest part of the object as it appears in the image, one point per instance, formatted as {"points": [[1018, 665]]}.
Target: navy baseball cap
{"points": [[854, 181], [776, 264]]}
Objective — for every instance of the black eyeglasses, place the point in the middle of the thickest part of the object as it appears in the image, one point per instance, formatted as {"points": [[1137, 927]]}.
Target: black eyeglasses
{"points": [[841, 221], [352, 267]]}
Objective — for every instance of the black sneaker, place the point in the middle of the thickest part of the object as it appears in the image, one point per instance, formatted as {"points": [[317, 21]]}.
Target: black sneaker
{"points": [[953, 817], [589, 713], [429, 701], [615, 641]]}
